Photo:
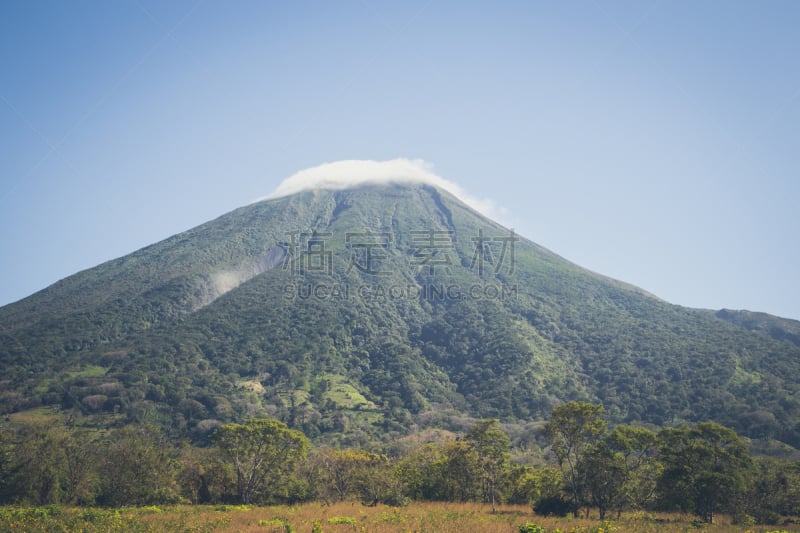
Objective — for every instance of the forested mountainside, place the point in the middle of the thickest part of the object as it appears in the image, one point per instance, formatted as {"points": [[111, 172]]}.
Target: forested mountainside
{"points": [[363, 314]]}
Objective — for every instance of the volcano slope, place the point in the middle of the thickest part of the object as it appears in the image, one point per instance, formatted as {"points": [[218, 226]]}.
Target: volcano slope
{"points": [[376, 311]]}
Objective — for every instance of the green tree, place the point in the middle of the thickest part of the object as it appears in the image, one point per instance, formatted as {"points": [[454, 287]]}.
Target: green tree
{"points": [[546, 482], [459, 472], [639, 447], [138, 467], [775, 490], [263, 452], [706, 468], [7, 464], [536, 483], [79, 452], [571, 429], [345, 474], [420, 471], [54, 464], [40, 476], [491, 446], [602, 473], [195, 472]]}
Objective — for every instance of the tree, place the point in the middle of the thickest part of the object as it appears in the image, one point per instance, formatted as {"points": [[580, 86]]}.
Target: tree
{"points": [[705, 468], [420, 472], [343, 474], [7, 464], [40, 477], [546, 492], [639, 447], [262, 452], [775, 490], [491, 446], [602, 473], [572, 428], [197, 467], [79, 453], [138, 467], [540, 484], [54, 464], [459, 471]]}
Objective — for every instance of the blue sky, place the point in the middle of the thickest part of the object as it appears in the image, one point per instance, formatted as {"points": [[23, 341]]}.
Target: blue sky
{"points": [[655, 142]]}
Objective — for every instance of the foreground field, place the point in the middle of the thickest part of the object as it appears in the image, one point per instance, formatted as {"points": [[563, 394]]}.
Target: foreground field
{"points": [[345, 517]]}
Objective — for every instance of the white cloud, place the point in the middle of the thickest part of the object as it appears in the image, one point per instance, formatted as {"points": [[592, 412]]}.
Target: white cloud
{"points": [[354, 172]]}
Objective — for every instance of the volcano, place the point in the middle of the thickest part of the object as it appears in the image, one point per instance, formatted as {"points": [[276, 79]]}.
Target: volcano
{"points": [[377, 308]]}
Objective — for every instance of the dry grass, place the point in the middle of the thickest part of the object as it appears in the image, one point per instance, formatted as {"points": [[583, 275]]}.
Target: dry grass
{"points": [[432, 517], [347, 517]]}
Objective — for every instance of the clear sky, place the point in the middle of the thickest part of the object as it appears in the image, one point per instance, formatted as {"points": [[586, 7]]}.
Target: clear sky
{"points": [[657, 142]]}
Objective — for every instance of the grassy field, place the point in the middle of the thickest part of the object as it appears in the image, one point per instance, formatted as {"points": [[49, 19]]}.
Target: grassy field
{"points": [[345, 517]]}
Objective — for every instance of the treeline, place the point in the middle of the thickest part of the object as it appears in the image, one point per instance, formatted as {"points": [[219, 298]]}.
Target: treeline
{"points": [[705, 469]]}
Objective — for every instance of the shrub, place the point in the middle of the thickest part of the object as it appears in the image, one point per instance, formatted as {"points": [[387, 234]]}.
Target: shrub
{"points": [[553, 506], [766, 517], [395, 499], [530, 527]]}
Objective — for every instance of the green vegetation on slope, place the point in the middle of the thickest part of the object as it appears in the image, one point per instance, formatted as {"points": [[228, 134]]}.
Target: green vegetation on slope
{"points": [[360, 316]]}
